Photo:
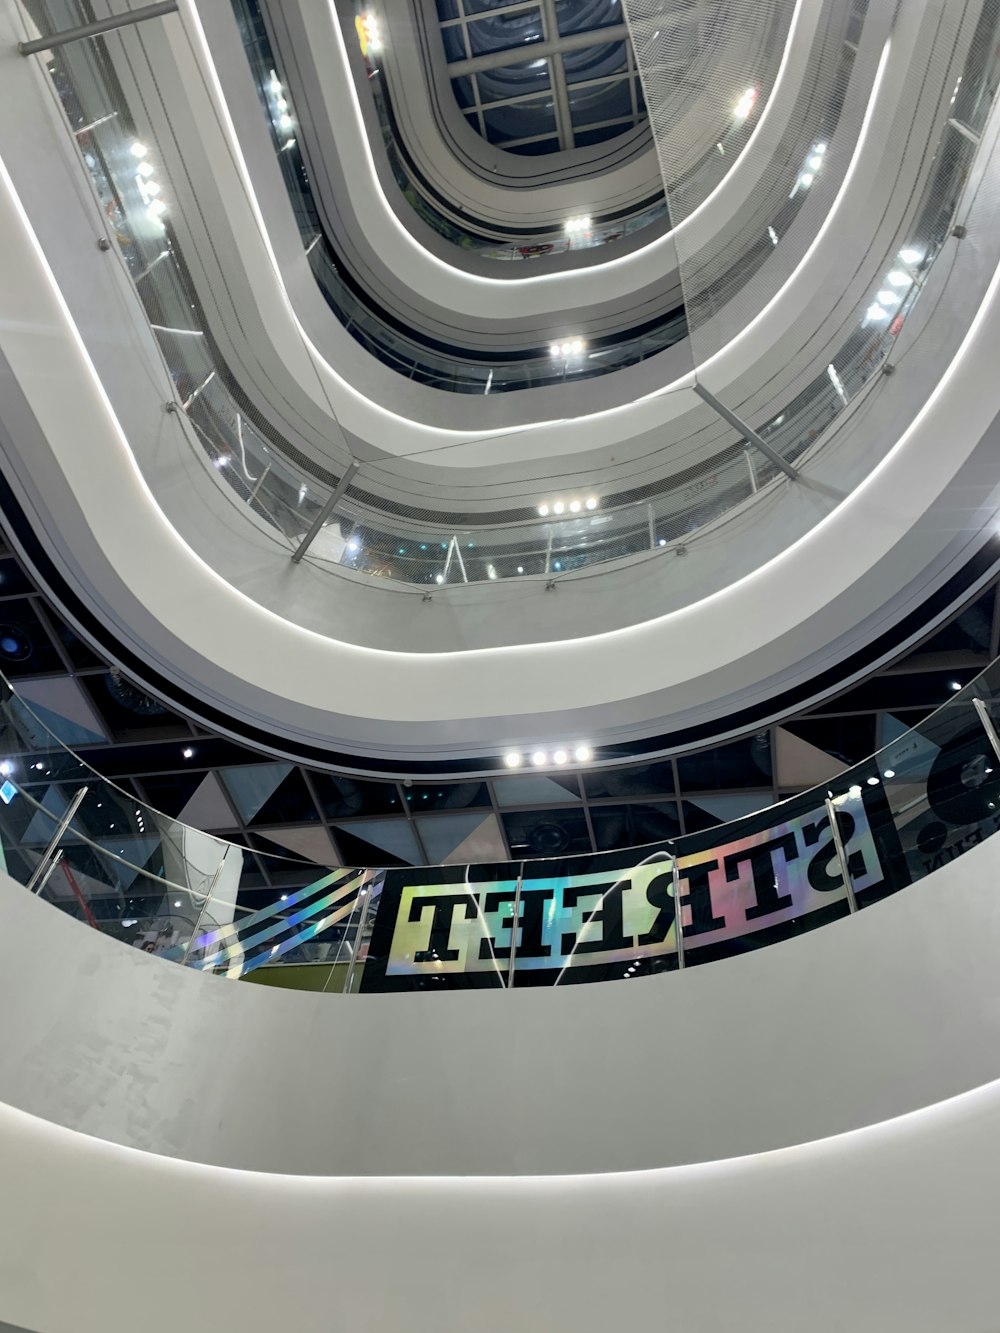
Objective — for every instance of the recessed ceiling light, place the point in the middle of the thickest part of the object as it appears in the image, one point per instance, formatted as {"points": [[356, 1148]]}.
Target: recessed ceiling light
{"points": [[539, 758], [583, 754], [512, 759]]}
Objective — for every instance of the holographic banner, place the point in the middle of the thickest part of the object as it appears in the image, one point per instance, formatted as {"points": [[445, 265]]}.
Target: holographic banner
{"points": [[614, 915]]}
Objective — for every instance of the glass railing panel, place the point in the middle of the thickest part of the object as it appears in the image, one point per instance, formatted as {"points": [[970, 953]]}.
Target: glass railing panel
{"points": [[314, 925], [924, 799], [927, 797], [442, 928], [596, 918], [763, 879]]}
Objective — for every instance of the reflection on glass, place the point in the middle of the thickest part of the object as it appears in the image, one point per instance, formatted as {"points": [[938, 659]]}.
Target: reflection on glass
{"points": [[160, 886]]}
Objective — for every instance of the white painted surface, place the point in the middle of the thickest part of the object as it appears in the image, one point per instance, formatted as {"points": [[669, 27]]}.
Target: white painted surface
{"points": [[860, 1021], [888, 1229]]}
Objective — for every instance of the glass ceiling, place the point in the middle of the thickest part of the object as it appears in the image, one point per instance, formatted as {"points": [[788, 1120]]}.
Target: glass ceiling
{"points": [[579, 87]]}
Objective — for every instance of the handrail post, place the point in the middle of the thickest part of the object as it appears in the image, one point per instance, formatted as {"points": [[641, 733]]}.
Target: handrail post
{"points": [[40, 886], [838, 842], [675, 884], [362, 923], [515, 928], [111, 24], [980, 706], [64, 823], [257, 485], [204, 908]]}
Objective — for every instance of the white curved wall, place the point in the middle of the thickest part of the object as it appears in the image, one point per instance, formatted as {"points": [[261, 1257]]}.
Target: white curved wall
{"points": [[858, 1022], [889, 1231], [886, 1229]]}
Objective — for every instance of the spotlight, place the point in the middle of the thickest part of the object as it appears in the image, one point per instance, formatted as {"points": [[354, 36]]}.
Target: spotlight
{"points": [[897, 278], [583, 754], [560, 757], [873, 782], [889, 773], [745, 105], [543, 510], [911, 256], [539, 758], [592, 503], [558, 507], [876, 313], [187, 752], [574, 506], [512, 759], [139, 149], [145, 169], [854, 791]]}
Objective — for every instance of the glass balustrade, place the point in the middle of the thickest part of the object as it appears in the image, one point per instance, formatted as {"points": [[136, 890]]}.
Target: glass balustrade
{"points": [[121, 867]]}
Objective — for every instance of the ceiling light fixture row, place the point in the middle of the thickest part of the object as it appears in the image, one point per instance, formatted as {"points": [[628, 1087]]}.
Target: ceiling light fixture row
{"points": [[581, 753], [898, 280], [569, 347], [559, 507], [813, 164], [281, 116], [147, 185]]}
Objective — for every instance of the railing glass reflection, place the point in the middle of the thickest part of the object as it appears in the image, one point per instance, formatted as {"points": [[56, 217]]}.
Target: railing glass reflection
{"points": [[125, 869]]}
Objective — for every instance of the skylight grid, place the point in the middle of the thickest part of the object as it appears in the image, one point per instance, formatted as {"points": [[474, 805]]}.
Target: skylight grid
{"points": [[541, 76]]}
